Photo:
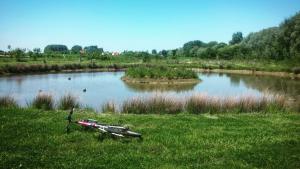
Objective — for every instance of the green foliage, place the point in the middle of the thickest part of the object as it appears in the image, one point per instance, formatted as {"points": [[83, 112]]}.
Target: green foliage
{"points": [[18, 54], [236, 38], [289, 38], [187, 47], [93, 49], [154, 52], [56, 49], [76, 49], [160, 72], [164, 53]]}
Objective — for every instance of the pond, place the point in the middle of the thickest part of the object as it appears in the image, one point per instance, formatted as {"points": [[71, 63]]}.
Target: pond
{"points": [[108, 86]]}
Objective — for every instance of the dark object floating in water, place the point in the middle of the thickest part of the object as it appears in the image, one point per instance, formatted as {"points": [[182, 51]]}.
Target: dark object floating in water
{"points": [[84, 90], [69, 78]]}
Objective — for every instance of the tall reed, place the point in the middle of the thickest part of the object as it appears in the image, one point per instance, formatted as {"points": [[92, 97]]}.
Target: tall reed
{"points": [[157, 104], [109, 107], [43, 101], [67, 102], [199, 103], [8, 101]]}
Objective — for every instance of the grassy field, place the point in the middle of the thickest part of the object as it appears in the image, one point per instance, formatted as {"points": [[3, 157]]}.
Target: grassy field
{"points": [[36, 139], [9, 65]]}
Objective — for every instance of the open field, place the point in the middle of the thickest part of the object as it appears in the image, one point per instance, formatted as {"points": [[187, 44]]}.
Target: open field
{"points": [[35, 139]]}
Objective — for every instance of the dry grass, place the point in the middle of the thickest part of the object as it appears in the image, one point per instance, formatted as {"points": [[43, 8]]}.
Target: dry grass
{"points": [[109, 107], [8, 101], [67, 102], [157, 104], [200, 103], [43, 101]]}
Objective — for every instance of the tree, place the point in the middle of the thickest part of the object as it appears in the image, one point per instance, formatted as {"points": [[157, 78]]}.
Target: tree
{"points": [[191, 44], [76, 49], [154, 52], [18, 53], [93, 49], [289, 38], [164, 53], [236, 38], [37, 50], [56, 49]]}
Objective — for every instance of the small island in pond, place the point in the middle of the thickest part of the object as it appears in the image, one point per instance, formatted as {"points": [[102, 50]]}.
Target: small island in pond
{"points": [[160, 75]]}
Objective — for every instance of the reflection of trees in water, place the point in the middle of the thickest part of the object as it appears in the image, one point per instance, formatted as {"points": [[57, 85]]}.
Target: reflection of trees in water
{"points": [[160, 87], [276, 85]]}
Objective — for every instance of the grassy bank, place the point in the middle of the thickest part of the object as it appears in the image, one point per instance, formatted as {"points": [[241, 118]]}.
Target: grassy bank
{"points": [[36, 139], [160, 103], [10, 66]]}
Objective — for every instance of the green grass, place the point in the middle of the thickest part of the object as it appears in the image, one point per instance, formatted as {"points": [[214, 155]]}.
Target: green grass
{"points": [[36, 139], [160, 72], [70, 62]]}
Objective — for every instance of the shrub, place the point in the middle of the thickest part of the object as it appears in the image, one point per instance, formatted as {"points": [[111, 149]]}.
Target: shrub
{"points": [[8, 101], [43, 101], [67, 102]]}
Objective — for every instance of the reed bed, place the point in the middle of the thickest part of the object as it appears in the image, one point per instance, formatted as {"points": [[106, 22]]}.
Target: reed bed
{"points": [[8, 101], [67, 102], [43, 101], [156, 104], [167, 104], [109, 107], [200, 103]]}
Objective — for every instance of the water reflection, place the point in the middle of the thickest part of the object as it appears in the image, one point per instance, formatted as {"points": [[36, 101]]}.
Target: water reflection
{"points": [[143, 87]]}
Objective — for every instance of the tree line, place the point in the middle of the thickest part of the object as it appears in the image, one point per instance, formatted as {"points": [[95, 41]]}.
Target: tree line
{"points": [[276, 43]]}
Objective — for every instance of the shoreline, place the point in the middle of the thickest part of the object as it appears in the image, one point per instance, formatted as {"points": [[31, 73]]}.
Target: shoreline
{"points": [[249, 72], [201, 70]]}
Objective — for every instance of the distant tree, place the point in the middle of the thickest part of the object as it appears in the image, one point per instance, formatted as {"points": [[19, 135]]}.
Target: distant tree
{"points": [[164, 53], [8, 47], [154, 52], [18, 53], [236, 38], [212, 44], [262, 44], [76, 49], [93, 49], [179, 52], [289, 37], [192, 44], [56, 49]]}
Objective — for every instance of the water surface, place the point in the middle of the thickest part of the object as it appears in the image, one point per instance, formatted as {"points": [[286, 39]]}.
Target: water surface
{"points": [[108, 86]]}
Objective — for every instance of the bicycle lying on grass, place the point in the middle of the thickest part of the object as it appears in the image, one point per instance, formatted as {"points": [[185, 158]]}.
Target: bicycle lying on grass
{"points": [[112, 130]]}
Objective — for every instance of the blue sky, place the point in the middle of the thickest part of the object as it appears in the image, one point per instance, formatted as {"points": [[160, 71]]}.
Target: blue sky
{"points": [[118, 25]]}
